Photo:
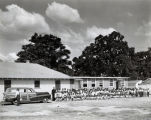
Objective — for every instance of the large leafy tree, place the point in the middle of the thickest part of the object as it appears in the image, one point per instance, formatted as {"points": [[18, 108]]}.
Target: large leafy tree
{"points": [[143, 63], [46, 50], [108, 56]]}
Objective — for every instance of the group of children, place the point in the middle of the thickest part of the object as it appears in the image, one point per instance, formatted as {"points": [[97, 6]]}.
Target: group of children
{"points": [[98, 94]]}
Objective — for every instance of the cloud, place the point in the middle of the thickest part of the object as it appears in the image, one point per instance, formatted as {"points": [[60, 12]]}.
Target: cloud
{"points": [[2, 57], [63, 13], [70, 36], [16, 26], [67, 47], [94, 31], [144, 30], [129, 14], [25, 42], [120, 24], [17, 23], [74, 41], [78, 40], [11, 57]]}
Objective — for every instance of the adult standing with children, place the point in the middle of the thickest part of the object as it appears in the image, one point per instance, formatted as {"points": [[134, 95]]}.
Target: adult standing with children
{"points": [[53, 94]]}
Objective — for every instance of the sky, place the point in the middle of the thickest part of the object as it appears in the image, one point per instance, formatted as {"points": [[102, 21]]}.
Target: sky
{"points": [[76, 22]]}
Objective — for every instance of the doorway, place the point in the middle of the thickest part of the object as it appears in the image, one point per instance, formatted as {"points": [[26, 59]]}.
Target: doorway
{"points": [[7, 84], [57, 84], [117, 85]]}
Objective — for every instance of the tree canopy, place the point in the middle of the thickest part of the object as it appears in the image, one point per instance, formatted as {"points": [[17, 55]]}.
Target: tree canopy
{"points": [[46, 50], [108, 56], [143, 63]]}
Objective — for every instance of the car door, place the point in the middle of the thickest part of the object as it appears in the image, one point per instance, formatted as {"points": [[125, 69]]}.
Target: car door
{"points": [[23, 95], [31, 95]]}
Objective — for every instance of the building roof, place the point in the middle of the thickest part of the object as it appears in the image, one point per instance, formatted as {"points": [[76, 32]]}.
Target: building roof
{"points": [[28, 70], [147, 81], [88, 77]]}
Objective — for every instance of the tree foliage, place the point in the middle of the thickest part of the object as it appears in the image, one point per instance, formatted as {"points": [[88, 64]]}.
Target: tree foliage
{"points": [[46, 50], [143, 63], [107, 56]]}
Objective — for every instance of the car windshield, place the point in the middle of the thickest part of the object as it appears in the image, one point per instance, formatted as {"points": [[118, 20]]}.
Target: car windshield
{"points": [[29, 90], [32, 90]]}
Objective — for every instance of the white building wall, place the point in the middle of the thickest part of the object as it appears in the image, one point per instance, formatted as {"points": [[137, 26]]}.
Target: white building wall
{"points": [[65, 84], [106, 84], [22, 83], [76, 84], [97, 83], [1, 89], [89, 83], [126, 83], [114, 84], [45, 85], [132, 83]]}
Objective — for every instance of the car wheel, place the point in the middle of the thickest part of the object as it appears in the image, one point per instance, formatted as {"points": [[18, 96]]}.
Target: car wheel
{"points": [[45, 100], [14, 102]]}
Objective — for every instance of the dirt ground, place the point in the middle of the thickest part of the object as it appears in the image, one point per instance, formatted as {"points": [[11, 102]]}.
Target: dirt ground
{"points": [[112, 109]]}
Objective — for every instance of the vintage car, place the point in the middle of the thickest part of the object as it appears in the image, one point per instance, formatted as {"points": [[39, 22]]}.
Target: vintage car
{"points": [[26, 95]]}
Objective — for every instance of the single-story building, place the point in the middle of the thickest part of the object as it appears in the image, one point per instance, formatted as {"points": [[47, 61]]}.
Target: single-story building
{"points": [[44, 79], [33, 76], [146, 84], [106, 82]]}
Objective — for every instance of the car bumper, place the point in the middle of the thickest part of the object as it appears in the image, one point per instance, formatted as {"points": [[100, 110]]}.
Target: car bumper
{"points": [[9, 99]]}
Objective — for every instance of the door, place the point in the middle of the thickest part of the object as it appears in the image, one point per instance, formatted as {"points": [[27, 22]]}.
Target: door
{"points": [[23, 95], [31, 95], [117, 84], [57, 84], [72, 83], [7, 84]]}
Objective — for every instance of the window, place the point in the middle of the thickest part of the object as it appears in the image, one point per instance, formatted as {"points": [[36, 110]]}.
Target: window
{"points": [[93, 83], [111, 82], [7, 84], [84, 83], [22, 90], [122, 83], [58, 84], [37, 84], [28, 90], [71, 81], [101, 83]]}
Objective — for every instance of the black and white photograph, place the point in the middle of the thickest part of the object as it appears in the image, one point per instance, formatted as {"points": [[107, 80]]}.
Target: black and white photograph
{"points": [[75, 59]]}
